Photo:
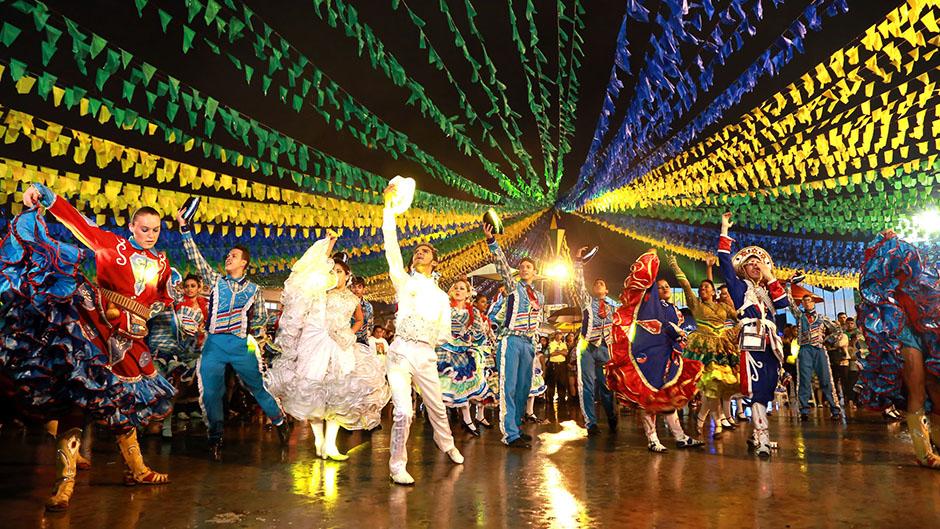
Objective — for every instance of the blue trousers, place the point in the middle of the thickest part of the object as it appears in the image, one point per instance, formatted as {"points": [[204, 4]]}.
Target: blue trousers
{"points": [[759, 375], [811, 360], [219, 351], [514, 355], [592, 384]]}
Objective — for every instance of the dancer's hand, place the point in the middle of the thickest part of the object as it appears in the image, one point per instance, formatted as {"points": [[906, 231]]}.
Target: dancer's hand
{"points": [[726, 223], [31, 197], [488, 231], [671, 261], [331, 237], [765, 271], [581, 251], [179, 218], [389, 191], [711, 260]]}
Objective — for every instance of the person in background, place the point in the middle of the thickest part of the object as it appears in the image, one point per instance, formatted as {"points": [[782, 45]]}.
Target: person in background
{"points": [[556, 370], [571, 342], [837, 349], [358, 287], [377, 341], [815, 333], [854, 340]]}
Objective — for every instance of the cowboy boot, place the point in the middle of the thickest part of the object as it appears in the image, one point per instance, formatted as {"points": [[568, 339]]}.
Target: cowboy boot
{"points": [[66, 451], [919, 427], [135, 469]]}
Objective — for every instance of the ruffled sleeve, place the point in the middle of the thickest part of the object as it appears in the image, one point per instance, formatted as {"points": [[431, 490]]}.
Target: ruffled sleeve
{"points": [[305, 290]]}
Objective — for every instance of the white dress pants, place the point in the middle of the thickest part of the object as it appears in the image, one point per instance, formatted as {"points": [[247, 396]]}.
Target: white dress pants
{"points": [[414, 363]]}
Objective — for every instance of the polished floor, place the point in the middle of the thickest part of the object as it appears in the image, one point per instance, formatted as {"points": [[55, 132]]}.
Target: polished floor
{"points": [[826, 474]]}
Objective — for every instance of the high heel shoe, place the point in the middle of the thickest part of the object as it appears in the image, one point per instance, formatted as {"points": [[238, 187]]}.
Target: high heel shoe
{"points": [[470, 429]]}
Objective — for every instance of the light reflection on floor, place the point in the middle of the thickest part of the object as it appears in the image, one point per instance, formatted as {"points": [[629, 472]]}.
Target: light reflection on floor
{"points": [[859, 474]]}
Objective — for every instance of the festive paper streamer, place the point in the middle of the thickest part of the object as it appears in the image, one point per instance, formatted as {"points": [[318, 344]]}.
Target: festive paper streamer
{"points": [[203, 109], [828, 264]]}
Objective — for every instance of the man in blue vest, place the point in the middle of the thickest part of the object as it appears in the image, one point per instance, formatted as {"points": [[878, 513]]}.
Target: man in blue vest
{"points": [[236, 309], [815, 330], [594, 347], [519, 321]]}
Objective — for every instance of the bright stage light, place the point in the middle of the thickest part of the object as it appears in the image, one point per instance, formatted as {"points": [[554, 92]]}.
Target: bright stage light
{"points": [[558, 271], [928, 221], [921, 227]]}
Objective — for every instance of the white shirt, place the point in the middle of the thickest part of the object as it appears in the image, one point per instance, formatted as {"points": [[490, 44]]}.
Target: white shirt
{"points": [[378, 345], [423, 308]]}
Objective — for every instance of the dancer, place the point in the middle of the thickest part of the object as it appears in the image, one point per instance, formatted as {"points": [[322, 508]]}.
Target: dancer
{"points": [[324, 375], [899, 317], [74, 351], [714, 344], [237, 313], [646, 366], [815, 330], [459, 360], [486, 341], [757, 295], [175, 340], [520, 319], [358, 287], [422, 322], [594, 349], [539, 387]]}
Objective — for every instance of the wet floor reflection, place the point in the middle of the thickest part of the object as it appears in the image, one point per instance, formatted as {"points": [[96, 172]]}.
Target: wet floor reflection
{"points": [[859, 474]]}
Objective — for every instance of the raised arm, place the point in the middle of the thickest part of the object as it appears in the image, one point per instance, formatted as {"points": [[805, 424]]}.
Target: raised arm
{"points": [[499, 259], [793, 305], [82, 228], [710, 263], [209, 275], [396, 264], [736, 287], [690, 298]]}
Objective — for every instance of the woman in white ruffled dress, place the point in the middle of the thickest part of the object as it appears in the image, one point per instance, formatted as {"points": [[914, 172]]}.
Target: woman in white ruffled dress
{"points": [[323, 375]]}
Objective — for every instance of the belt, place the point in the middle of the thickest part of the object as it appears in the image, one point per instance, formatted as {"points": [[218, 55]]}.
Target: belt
{"points": [[131, 305]]}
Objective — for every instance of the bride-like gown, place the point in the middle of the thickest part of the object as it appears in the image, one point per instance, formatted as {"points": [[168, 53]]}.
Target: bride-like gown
{"points": [[322, 373]]}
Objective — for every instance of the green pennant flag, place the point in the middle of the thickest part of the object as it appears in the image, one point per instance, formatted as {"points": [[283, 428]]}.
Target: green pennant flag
{"points": [[151, 99], [148, 70], [165, 19], [8, 34], [211, 106], [97, 44], [128, 91], [126, 58], [249, 72], [212, 9], [48, 50], [140, 7], [101, 78], [44, 85], [194, 7], [188, 36], [171, 110], [94, 105]]}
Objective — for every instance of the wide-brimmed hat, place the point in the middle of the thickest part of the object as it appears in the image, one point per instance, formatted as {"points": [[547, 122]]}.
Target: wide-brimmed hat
{"points": [[746, 253]]}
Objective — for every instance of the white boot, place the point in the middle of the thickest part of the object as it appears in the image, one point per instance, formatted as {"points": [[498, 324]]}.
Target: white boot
{"points": [[649, 426], [317, 427], [330, 451]]}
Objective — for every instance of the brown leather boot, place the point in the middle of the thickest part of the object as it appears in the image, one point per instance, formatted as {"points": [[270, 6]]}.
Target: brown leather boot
{"points": [[66, 453], [135, 469]]}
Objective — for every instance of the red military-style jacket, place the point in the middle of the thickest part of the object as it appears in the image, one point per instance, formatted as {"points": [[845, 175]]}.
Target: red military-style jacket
{"points": [[134, 274]]}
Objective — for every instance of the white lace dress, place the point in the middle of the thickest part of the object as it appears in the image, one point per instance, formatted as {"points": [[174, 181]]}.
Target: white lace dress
{"points": [[322, 372]]}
